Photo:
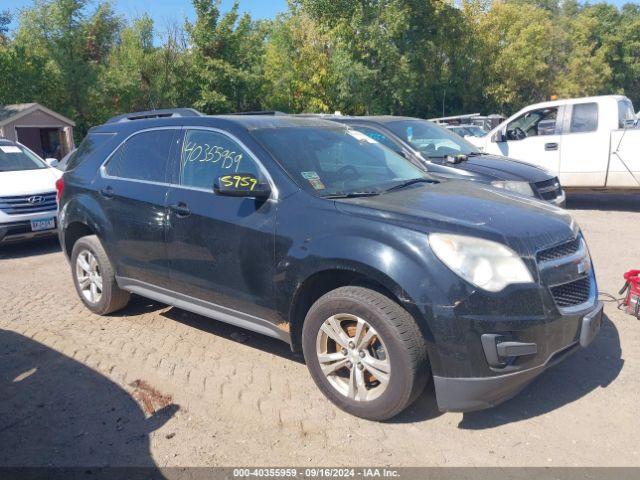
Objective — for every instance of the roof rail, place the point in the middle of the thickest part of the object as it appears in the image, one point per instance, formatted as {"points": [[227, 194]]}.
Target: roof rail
{"points": [[162, 113], [259, 112]]}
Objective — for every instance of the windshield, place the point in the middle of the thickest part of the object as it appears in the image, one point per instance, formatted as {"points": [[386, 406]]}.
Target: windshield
{"points": [[430, 139], [476, 131], [16, 157], [336, 161]]}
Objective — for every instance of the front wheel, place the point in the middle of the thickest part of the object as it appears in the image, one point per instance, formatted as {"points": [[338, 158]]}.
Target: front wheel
{"points": [[364, 352]]}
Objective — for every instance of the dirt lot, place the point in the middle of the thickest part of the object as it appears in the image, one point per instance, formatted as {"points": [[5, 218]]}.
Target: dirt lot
{"points": [[77, 389]]}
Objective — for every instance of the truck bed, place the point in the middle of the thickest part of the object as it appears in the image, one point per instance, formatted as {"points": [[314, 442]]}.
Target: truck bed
{"points": [[624, 159]]}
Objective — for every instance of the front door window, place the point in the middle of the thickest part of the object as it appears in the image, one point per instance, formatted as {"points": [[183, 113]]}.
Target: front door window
{"points": [[534, 123]]}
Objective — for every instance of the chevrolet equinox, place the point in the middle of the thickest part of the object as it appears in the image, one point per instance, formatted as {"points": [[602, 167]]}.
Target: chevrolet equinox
{"points": [[315, 234]]}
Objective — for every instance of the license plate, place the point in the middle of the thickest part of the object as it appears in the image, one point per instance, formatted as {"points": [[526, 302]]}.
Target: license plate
{"points": [[591, 324], [43, 224]]}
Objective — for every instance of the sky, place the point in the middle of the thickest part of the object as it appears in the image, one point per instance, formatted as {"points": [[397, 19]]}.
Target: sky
{"points": [[164, 12]]}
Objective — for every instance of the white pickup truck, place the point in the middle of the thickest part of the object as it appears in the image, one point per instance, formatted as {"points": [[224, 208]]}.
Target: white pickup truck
{"points": [[591, 143]]}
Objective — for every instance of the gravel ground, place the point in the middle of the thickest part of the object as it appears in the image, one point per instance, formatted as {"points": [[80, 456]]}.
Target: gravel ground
{"points": [[155, 385]]}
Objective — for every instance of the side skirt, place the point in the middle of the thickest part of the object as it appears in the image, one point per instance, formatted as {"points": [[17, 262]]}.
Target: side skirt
{"points": [[207, 309]]}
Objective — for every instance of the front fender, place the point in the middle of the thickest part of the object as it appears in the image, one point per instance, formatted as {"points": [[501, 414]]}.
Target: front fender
{"points": [[398, 259]]}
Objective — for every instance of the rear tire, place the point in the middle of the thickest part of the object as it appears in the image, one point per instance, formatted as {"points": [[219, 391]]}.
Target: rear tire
{"points": [[364, 352], [94, 277]]}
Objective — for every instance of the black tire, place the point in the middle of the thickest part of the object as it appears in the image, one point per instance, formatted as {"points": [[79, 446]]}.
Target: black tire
{"points": [[402, 339], [112, 298]]}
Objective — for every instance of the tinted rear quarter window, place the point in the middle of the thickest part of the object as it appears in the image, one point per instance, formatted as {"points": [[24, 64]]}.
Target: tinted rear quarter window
{"points": [[144, 156], [584, 118], [90, 143]]}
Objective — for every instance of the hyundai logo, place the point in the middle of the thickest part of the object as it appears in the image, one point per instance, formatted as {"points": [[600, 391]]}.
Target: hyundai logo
{"points": [[36, 199]]}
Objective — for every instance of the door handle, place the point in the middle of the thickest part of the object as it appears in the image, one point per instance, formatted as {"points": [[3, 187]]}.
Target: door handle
{"points": [[550, 146], [181, 209], [107, 192]]}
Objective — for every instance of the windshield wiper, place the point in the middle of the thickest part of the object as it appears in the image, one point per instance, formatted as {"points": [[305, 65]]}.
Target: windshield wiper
{"points": [[351, 194], [409, 182]]}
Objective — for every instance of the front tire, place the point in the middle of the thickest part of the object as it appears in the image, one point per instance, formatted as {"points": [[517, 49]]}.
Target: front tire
{"points": [[94, 277], [364, 352]]}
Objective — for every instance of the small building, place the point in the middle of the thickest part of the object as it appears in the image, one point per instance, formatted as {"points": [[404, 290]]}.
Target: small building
{"points": [[44, 131]]}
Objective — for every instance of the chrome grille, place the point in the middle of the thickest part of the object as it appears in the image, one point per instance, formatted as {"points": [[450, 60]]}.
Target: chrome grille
{"points": [[559, 251], [34, 203], [572, 293], [548, 189]]}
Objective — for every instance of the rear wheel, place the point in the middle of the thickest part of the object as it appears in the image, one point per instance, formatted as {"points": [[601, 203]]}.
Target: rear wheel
{"points": [[365, 352], [94, 277]]}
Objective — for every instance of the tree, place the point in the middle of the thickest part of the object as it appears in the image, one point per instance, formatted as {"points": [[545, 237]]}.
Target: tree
{"points": [[297, 66], [72, 45], [226, 58], [627, 72], [5, 21], [585, 69], [520, 54], [395, 56], [130, 79]]}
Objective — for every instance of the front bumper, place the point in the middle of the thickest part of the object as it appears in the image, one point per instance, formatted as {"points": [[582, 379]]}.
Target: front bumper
{"points": [[17, 228], [560, 200], [477, 393]]}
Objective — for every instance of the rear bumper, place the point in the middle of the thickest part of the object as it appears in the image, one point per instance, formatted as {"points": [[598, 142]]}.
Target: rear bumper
{"points": [[466, 394]]}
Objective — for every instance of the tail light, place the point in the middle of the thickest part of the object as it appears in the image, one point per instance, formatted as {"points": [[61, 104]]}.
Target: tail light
{"points": [[59, 188]]}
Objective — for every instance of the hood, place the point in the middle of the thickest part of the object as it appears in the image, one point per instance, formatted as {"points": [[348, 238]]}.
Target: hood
{"points": [[525, 224], [495, 167], [26, 182]]}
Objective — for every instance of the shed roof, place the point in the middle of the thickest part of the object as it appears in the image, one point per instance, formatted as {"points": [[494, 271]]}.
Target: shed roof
{"points": [[9, 113]]}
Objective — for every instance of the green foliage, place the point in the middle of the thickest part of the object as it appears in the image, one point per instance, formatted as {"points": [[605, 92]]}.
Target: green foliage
{"points": [[520, 48], [5, 21], [71, 46], [226, 58], [297, 63], [405, 57]]}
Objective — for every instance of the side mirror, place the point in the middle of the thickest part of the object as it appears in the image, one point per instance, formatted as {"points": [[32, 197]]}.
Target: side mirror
{"points": [[52, 162], [498, 137], [241, 185]]}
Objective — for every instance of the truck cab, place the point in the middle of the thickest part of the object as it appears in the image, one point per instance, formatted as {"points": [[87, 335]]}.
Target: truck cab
{"points": [[588, 142]]}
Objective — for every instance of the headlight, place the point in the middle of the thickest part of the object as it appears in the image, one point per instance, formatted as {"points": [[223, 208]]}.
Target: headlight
{"points": [[486, 264], [523, 188]]}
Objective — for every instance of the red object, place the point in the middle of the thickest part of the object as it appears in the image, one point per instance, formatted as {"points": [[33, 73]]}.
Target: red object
{"points": [[59, 188], [632, 287]]}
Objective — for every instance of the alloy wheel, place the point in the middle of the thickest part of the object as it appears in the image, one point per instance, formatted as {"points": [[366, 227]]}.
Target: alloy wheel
{"points": [[353, 357], [88, 276]]}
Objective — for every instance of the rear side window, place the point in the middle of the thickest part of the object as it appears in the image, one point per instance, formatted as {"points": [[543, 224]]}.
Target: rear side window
{"points": [[584, 118], [144, 157], [90, 143], [206, 155], [626, 115]]}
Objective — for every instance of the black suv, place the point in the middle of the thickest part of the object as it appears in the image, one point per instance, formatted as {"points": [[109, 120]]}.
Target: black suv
{"points": [[442, 152], [311, 233]]}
